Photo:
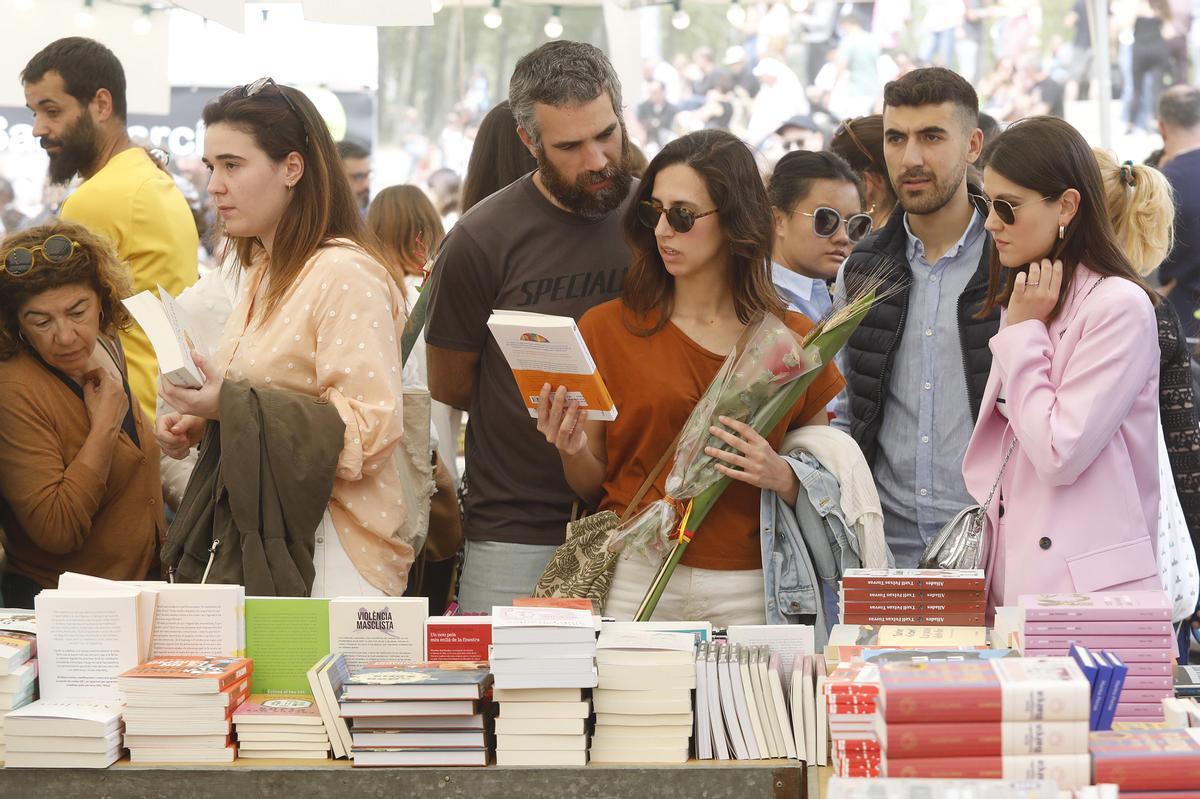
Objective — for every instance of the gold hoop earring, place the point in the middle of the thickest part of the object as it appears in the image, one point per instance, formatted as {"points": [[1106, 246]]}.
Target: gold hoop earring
{"points": [[1062, 232]]}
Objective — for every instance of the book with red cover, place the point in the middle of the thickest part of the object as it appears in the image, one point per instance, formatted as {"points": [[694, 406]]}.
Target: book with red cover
{"points": [[917, 619], [913, 595], [1147, 760], [853, 679], [1002, 689], [186, 675], [1130, 606], [913, 608], [1109, 629], [947, 579], [987, 738], [457, 637], [1068, 771]]}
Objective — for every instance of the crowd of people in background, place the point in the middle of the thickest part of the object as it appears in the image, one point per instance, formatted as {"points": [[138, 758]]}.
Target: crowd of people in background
{"points": [[1013, 266]]}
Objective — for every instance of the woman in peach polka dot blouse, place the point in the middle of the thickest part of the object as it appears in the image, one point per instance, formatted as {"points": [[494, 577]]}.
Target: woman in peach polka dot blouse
{"points": [[319, 315]]}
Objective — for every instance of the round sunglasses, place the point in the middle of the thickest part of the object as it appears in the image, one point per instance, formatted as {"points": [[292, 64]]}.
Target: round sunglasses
{"points": [[679, 218], [1005, 211], [20, 260], [826, 222]]}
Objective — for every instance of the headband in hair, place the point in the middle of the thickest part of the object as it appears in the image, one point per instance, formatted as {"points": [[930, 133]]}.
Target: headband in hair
{"points": [[1127, 176]]}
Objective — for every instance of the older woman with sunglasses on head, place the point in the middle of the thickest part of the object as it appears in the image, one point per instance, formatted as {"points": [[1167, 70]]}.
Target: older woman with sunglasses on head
{"points": [[816, 200], [1068, 432], [700, 233], [79, 473], [321, 316]]}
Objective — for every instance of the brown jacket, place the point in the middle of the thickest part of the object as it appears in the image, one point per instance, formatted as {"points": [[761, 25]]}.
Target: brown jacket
{"points": [[59, 515]]}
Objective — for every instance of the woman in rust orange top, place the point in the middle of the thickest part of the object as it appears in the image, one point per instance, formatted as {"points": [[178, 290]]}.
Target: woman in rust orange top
{"points": [[79, 482], [700, 230]]}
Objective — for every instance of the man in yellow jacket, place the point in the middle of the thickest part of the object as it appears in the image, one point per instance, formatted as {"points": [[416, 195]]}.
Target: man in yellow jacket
{"points": [[75, 88]]}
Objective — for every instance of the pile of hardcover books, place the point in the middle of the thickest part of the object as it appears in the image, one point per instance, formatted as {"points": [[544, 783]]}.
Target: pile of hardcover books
{"points": [[644, 676], [918, 597], [543, 659], [280, 727], [18, 663], [179, 709], [418, 714], [1134, 631], [1148, 763], [1012, 718]]}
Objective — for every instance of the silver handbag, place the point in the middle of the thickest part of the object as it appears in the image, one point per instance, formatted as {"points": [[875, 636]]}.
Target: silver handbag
{"points": [[963, 543]]}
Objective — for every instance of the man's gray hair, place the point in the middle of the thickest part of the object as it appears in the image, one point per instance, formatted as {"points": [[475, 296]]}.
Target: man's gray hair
{"points": [[1180, 107], [558, 74]]}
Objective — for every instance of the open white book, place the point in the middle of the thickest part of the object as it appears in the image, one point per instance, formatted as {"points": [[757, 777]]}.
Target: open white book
{"points": [[163, 321], [542, 349]]}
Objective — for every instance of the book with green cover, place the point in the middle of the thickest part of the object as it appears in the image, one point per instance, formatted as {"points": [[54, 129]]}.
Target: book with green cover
{"points": [[285, 636]]}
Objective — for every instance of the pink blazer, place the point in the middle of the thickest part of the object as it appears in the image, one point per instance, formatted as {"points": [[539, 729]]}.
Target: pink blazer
{"points": [[1077, 509]]}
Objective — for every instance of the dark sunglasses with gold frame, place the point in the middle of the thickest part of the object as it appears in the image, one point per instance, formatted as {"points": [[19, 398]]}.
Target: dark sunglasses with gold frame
{"points": [[680, 219], [19, 261]]}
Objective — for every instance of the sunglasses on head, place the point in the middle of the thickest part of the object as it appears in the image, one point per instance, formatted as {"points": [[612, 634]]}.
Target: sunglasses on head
{"points": [[20, 260], [257, 87], [679, 218], [826, 222], [1005, 211], [847, 127]]}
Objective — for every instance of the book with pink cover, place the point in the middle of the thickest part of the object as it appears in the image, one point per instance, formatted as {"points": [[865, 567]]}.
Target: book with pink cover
{"points": [[295, 709], [1127, 606]]}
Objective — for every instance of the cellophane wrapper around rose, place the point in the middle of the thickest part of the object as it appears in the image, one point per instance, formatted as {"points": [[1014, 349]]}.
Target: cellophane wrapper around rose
{"points": [[758, 384]]}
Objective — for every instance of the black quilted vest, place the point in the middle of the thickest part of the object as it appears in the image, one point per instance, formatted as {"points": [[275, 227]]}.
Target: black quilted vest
{"points": [[871, 350]]}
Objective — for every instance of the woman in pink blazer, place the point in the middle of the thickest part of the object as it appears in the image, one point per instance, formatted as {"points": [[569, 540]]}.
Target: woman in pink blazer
{"points": [[1074, 379]]}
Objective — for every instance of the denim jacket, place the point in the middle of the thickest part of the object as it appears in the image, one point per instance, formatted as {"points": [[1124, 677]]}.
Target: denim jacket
{"points": [[806, 549]]}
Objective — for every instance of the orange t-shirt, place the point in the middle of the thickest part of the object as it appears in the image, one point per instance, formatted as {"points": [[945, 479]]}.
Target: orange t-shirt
{"points": [[655, 382]]}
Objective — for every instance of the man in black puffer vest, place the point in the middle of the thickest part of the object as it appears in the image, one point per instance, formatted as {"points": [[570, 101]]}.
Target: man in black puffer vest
{"points": [[916, 368]]}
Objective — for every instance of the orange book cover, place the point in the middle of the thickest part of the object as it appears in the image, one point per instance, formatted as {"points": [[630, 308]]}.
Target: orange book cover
{"points": [[217, 673]]}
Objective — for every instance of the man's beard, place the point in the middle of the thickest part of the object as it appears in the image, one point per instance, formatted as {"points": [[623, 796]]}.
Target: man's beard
{"points": [[936, 197], [577, 197], [77, 151]]}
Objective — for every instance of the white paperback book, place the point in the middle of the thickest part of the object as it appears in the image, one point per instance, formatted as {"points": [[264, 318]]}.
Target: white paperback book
{"points": [[716, 722], [163, 321], [367, 630], [147, 602], [80, 719], [731, 688], [786, 640], [775, 680], [85, 640], [703, 735], [763, 743], [766, 704]]}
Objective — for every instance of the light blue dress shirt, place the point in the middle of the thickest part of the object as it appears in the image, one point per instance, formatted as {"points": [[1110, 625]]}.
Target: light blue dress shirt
{"points": [[804, 294], [927, 419]]}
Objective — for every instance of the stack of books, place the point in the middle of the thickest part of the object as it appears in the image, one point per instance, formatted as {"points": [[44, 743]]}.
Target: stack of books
{"points": [[915, 597], [418, 714], [1149, 763], [18, 664], [1135, 627], [642, 676], [1010, 718], [849, 641], [279, 726], [741, 701], [542, 659], [179, 709], [851, 699], [63, 735]]}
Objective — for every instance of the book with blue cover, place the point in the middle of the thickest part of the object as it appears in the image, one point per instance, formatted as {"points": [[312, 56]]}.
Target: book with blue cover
{"points": [[441, 680], [1099, 673], [1116, 684]]}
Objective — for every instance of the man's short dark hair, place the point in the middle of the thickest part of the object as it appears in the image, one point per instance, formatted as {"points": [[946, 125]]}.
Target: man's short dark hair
{"points": [[1180, 107], [792, 179], [350, 150], [934, 86], [86, 67]]}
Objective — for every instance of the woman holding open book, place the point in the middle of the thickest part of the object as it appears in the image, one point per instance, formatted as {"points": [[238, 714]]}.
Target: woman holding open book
{"points": [[321, 315], [1069, 427], [700, 231], [79, 481]]}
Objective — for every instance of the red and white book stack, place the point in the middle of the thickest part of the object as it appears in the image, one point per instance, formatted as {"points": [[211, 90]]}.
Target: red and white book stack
{"points": [[1004, 718], [851, 697], [917, 597], [179, 709], [1149, 764], [1135, 625]]}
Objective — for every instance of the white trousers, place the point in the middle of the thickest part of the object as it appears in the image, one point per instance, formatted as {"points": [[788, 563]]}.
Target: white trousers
{"points": [[336, 574], [720, 597]]}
